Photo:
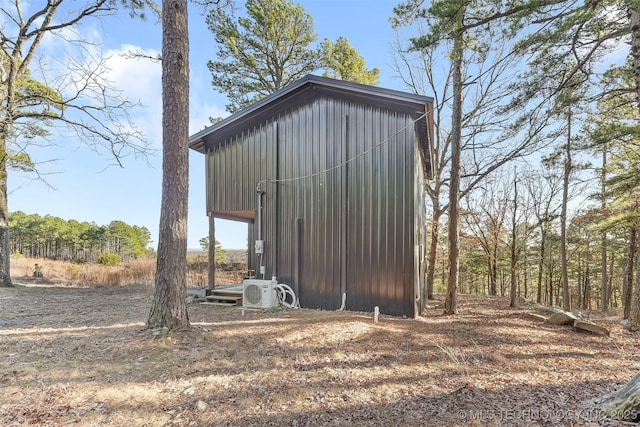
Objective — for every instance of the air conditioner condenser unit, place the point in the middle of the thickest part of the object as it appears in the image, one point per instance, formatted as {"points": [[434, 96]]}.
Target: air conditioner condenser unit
{"points": [[259, 293]]}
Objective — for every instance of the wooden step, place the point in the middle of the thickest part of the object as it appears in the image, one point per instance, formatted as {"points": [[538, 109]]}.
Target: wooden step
{"points": [[223, 300], [219, 304], [229, 293], [216, 297]]}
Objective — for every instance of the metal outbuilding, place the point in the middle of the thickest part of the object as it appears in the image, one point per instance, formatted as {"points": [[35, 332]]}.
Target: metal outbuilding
{"points": [[330, 177]]}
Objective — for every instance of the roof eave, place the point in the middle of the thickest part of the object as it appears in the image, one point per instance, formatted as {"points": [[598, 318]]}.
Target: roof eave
{"points": [[308, 82]]}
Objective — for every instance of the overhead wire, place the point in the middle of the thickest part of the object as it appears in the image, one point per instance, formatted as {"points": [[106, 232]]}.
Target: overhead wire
{"points": [[345, 162]]}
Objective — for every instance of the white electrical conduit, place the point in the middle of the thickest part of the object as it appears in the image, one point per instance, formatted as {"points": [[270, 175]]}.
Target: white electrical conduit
{"points": [[285, 293], [343, 306]]}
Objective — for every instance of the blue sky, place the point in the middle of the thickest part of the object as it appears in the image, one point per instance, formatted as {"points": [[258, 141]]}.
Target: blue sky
{"points": [[81, 185]]}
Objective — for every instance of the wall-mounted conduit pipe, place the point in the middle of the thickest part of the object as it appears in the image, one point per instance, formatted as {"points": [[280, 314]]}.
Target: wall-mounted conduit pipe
{"points": [[344, 216], [260, 192], [275, 204]]}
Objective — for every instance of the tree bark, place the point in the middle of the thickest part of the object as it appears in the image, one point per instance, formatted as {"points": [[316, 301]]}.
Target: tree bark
{"points": [[512, 299], [604, 282], [623, 404], [5, 250], [634, 313], [543, 235], [450, 305], [6, 126], [433, 252], [169, 308], [566, 297], [628, 277], [493, 267], [633, 12]]}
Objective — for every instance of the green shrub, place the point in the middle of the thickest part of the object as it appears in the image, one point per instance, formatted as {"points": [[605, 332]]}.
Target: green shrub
{"points": [[74, 272], [109, 259]]}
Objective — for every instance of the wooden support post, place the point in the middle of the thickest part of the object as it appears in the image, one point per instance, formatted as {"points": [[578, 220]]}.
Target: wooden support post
{"points": [[212, 252]]}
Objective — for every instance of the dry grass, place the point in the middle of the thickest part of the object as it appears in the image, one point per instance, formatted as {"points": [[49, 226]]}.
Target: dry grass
{"points": [[81, 356], [137, 272], [141, 272]]}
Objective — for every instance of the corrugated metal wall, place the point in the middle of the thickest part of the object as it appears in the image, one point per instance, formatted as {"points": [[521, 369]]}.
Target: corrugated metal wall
{"points": [[420, 228], [380, 225], [335, 225]]}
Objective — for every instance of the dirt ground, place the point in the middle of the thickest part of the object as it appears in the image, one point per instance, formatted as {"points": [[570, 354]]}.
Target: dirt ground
{"points": [[82, 356]]}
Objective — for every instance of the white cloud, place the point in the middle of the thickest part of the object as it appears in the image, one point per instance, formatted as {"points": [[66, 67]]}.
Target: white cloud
{"points": [[204, 101], [199, 114], [139, 79]]}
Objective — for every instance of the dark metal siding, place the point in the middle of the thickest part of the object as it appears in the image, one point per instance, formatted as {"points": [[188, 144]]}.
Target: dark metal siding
{"points": [[309, 141], [234, 170], [380, 221], [304, 153]]}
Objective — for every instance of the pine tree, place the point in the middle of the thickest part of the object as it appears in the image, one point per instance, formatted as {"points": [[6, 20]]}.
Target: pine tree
{"points": [[273, 46], [169, 307]]}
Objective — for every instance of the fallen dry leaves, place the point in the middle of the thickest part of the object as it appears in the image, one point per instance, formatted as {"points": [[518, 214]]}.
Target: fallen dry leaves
{"points": [[81, 356]]}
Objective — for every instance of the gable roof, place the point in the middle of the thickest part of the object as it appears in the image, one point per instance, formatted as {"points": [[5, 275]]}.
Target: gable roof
{"points": [[307, 89]]}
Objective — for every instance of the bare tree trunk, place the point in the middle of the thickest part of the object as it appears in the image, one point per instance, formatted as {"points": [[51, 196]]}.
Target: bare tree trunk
{"points": [[543, 235], [604, 282], [627, 283], [169, 308], [450, 305], [627, 290], [6, 122], [513, 289], [566, 298], [634, 313], [586, 296], [5, 250], [526, 274], [493, 268], [633, 12], [433, 252]]}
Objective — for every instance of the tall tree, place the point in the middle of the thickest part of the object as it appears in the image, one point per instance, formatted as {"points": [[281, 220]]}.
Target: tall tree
{"points": [[604, 280], [343, 62], [273, 46], [458, 32], [220, 255], [565, 103], [568, 168], [169, 307], [486, 216], [457, 53], [615, 133], [543, 190], [262, 52], [615, 127], [568, 39], [513, 244], [53, 237], [78, 97], [627, 291], [417, 69], [521, 208]]}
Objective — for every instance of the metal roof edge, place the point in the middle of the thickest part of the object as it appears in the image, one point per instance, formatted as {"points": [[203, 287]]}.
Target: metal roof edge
{"points": [[196, 140]]}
